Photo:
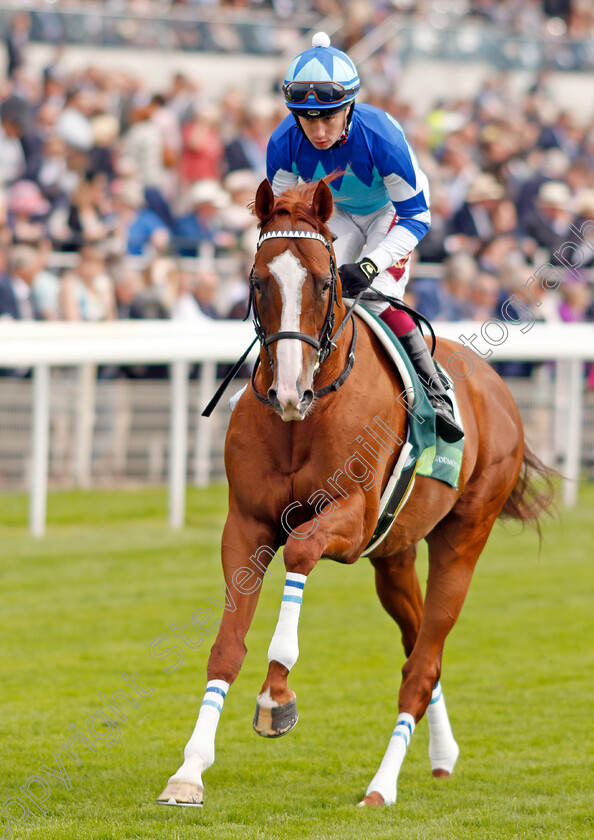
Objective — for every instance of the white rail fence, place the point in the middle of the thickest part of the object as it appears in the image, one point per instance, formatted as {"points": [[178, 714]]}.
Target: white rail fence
{"points": [[48, 347]]}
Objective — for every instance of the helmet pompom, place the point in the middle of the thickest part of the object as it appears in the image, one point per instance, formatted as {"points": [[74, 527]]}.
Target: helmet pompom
{"points": [[320, 39]]}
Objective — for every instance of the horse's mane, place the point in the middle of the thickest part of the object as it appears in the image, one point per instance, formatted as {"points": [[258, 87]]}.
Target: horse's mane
{"points": [[296, 202]]}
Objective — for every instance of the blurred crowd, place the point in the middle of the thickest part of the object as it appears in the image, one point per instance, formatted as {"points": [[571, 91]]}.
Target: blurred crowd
{"points": [[119, 202], [552, 33], [575, 17]]}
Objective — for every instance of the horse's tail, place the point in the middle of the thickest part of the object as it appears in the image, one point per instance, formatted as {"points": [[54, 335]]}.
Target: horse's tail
{"points": [[529, 500]]}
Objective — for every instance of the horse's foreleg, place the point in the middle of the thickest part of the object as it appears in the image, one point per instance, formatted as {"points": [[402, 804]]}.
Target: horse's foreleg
{"points": [[454, 548], [276, 708], [243, 571], [400, 594]]}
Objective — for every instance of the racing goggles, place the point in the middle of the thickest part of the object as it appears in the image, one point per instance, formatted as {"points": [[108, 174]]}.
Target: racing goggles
{"points": [[326, 93]]}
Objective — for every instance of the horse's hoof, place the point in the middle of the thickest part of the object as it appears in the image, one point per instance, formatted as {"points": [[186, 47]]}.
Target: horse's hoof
{"points": [[184, 794], [440, 774], [276, 721], [372, 800]]}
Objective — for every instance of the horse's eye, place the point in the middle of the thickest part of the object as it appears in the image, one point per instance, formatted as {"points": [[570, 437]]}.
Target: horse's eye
{"points": [[326, 286], [256, 286]]}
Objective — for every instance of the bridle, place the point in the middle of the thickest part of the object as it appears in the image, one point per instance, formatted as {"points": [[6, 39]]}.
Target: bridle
{"points": [[326, 342]]}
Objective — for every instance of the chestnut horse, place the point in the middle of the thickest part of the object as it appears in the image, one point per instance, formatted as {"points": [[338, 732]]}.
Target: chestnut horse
{"points": [[292, 481]]}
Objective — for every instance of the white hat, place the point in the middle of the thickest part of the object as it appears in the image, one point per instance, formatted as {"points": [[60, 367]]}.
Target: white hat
{"points": [[485, 187], [242, 179], [130, 192], [209, 191], [554, 194]]}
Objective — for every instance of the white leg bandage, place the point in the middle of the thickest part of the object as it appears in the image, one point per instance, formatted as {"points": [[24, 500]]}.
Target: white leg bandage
{"points": [[284, 647], [385, 780], [443, 750], [199, 752]]}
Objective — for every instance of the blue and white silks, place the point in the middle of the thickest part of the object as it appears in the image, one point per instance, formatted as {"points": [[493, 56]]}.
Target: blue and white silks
{"points": [[379, 169]]}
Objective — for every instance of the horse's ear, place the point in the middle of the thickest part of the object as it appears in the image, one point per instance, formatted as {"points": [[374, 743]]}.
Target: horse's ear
{"points": [[322, 203], [264, 203]]}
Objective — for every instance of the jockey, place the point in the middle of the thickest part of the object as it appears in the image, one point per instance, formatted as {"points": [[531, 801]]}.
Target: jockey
{"points": [[381, 200]]}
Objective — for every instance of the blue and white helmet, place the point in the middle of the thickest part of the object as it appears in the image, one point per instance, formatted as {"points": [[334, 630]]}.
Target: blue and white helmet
{"points": [[320, 81]]}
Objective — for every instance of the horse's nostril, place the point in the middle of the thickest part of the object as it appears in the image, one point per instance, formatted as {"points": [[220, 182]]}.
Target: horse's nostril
{"points": [[272, 396], [308, 396]]}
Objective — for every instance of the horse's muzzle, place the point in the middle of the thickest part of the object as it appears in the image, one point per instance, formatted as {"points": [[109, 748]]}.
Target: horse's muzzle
{"points": [[290, 409]]}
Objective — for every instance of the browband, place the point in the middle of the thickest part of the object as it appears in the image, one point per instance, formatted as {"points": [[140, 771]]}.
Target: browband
{"points": [[293, 234]]}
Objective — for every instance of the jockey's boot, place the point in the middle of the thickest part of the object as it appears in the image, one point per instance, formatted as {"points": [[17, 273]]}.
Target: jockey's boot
{"points": [[418, 352]]}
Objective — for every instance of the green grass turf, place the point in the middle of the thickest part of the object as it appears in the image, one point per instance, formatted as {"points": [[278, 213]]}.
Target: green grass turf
{"points": [[82, 606]]}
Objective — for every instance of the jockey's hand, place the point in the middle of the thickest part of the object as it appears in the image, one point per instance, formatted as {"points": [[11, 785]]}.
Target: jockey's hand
{"points": [[356, 277]]}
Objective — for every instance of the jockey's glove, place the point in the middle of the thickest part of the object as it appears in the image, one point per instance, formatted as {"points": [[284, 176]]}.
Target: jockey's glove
{"points": [[356, 277]]}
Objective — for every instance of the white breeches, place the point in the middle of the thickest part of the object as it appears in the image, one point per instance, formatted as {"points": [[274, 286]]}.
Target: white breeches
{"points": [[356, 235]]}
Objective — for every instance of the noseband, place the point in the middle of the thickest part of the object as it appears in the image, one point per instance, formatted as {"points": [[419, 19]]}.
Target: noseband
{"points": [[324, 343]]}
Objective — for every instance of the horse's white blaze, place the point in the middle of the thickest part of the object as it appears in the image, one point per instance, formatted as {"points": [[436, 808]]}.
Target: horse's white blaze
{"points": [[290, 275]]}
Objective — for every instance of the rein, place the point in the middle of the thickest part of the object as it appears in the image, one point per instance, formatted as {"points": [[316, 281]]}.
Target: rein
{"points": [[326, 341]]}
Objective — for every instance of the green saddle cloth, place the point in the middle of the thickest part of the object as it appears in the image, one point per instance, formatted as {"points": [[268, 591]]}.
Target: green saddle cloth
{"points": [[435, 458], [421, 418]]}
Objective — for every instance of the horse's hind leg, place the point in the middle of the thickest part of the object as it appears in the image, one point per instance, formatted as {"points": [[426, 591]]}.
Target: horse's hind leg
{"points": [[454, 548], [398, 589]]}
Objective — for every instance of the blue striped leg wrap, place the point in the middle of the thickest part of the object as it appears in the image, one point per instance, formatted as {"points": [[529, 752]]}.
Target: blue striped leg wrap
{"points": [[405, 726], [216, 691]]}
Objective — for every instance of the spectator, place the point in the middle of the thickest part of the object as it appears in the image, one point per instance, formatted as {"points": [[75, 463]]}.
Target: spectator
{"points": [[161, 264], [16, 294], [182, 97], [105, 128], [202, 148], [484, 296], [87, 292], [167, 121], [156, 300], [186, 307], [46, 285], [27, 212], [576, 301], [480, 153], [17, 40], [56, 179], [548, 224], [457, 170], [144, 145], [20, 146], [203, 223], [206, 289], [73, 124], [248, 149], [474, 220], [88, 219], [127, 286], [136, 223], [460, 272], [582, 229], [241, 185]]}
